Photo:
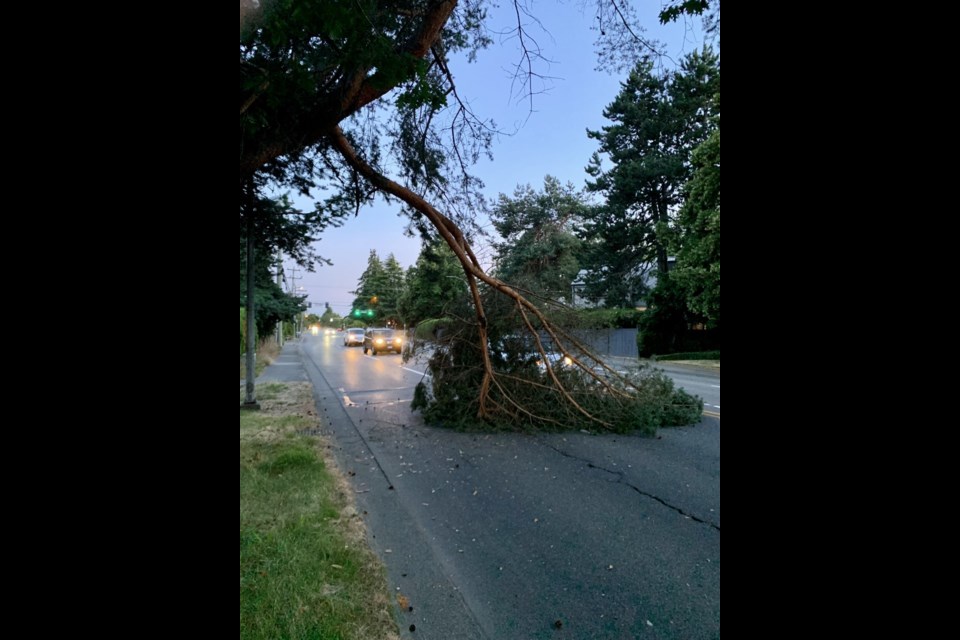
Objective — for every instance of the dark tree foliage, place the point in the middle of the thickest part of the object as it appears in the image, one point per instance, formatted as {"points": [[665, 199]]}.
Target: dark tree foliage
{"points": [[273, 304], [379, 290], [710, 10], [657, 121], [307, 66], [697, 236], [391, 290], [539, 251], [369, 284], [537, 384], [329, 318], [665, 320], [276, 226], [358, 99], [433, 285]]}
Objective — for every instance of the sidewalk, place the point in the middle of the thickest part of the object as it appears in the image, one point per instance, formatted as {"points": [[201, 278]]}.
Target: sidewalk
{"points": [[288, 367]]}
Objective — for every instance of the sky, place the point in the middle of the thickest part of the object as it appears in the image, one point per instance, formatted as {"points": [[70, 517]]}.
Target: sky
{"points": [[549, 140]]}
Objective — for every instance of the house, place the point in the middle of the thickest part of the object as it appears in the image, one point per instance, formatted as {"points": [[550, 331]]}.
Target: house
{"points": [[647, 271]]}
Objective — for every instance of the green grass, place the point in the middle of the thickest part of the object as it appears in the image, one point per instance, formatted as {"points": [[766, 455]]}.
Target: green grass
{"points": [[305, 572]]}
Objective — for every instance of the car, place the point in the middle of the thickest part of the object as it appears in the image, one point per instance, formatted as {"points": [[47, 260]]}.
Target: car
{"points": [[517, 351], [382, 339], [353, 337], [557, 361]]}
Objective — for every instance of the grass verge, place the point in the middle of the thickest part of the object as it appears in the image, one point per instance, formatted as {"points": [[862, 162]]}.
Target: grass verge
{"points": [[693, 355], [305, 568]]}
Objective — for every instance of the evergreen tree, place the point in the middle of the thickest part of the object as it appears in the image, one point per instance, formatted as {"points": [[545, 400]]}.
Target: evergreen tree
{"points": [[433, 285], [391, 289], [658, 119], [697, 240], [368, 286], [539, 251]]}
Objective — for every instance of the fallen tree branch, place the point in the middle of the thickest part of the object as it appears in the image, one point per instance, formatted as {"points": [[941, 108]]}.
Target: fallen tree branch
{"points": [[474, 272]]}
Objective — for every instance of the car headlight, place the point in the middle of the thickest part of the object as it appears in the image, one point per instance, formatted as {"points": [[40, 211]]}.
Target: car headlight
{"points": [[379, 340]]}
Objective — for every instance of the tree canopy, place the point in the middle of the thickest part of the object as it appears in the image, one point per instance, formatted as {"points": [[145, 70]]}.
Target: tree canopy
{"points": [[379, 289], [539, 251], [656, 121], [358, 100], [697, 238], [434, 285], [306, 66]]}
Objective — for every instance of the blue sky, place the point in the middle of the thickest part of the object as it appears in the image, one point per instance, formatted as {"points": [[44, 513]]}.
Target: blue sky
{"points": [[550, 140]]}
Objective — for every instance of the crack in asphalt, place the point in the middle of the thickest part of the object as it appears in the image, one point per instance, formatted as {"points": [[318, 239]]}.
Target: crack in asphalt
{"points": [[620, 480]]}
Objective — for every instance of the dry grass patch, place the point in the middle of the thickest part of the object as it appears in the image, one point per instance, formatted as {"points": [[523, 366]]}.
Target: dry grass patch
{"points": [[267, 354]]}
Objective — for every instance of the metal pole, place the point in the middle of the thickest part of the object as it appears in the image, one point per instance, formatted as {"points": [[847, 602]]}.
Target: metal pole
{"points": [[251, 400], [279, 286]]}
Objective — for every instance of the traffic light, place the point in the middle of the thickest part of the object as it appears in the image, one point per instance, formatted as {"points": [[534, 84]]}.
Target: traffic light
{"points": [[357, 313]]}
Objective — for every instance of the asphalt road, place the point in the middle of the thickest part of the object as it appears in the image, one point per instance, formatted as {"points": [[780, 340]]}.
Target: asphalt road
{"points": [[507, 536], [705, 384]]}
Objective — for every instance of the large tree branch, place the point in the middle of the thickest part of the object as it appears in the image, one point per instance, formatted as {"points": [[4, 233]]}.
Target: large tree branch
{"points": [[246, 104], [373, 87], [357, 90], [448, 230], [455, 239]]}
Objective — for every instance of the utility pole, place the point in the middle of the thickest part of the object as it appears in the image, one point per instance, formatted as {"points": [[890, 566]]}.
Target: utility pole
{"points": [[279, 286], [250, 402], [293, 279], [292, 289]]}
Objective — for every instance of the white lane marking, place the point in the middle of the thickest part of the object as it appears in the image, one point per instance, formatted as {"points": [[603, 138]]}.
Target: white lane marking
{"points": [[715, 406], [422, 373], [715, 386]]}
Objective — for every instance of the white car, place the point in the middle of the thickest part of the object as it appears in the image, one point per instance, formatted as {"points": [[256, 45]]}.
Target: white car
{"points": [[353, 337]]}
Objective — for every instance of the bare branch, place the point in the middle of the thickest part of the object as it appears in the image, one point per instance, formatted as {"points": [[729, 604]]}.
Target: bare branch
{"points": [[530, 53], [626, 25]]}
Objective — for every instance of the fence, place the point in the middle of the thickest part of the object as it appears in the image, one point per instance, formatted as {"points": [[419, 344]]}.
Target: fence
{"points": [[611, 342]]}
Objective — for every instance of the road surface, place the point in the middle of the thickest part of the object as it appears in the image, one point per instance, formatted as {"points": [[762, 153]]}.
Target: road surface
{"points": [[511, 536]]}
